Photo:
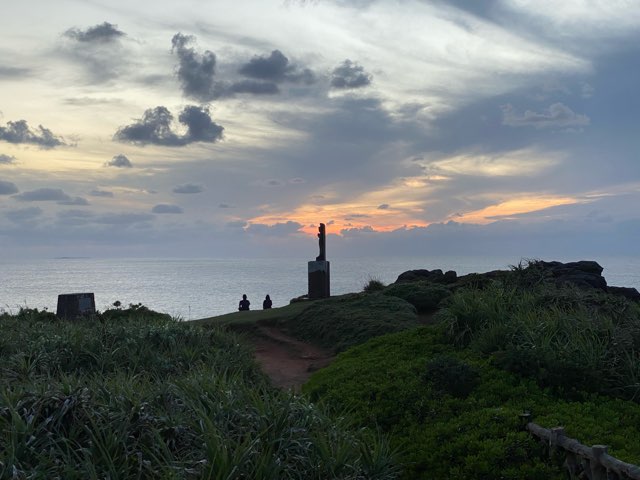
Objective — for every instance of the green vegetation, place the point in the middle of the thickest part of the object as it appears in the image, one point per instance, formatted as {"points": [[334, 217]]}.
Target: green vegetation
{"points": [[570, 339], [455, 415], [449, 395], [425, 296], [134, 394], [373, 285], [342, 322]]}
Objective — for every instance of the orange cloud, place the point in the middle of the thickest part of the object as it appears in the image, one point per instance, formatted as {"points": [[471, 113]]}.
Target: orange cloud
{"points": [[514, 207]]}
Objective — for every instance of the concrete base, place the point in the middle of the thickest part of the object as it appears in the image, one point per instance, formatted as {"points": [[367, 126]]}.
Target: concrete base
{"points": [[74, 305], [319, 279]]}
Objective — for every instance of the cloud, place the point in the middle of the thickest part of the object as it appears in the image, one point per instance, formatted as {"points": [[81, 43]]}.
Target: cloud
{"points": [[226, 205], [587, 91], [188, 188], [50, 195], [101, 193], [384, 206], [74, 201], [119, 161], [13, 72], [254, 87], [20, 132], [23, 214], [557, 115], [350, 75], [195, 71], [6, 159], [166, 208], [124, 218], [102, 33], [155, 128], [278, 229], [7, 188], [276, 68]]}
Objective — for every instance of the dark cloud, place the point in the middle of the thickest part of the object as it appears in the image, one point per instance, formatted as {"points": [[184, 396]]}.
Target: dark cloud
{"points": [[50, 195], [101, 193], [119, 161], [23, 214], [225, 205], [7, 188], [384, 206], [20, 132], [276, 68], [166, 208], [350, 75], [103, 33], [155, 128], [6, 159], [188, 188], [557, 115], [254, 87], [200, 127], [195, 71]]}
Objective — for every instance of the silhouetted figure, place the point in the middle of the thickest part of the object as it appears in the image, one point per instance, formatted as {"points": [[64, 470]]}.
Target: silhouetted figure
{"points": [[244, 303], [267, 303], [322, 243]]}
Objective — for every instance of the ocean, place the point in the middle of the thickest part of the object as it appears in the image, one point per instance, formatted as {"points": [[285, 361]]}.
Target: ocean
{"points": [[197, 288]]}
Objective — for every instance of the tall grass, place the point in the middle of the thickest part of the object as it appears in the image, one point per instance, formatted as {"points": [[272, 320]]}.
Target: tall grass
{"points": [[567, 338], [156, 398]]}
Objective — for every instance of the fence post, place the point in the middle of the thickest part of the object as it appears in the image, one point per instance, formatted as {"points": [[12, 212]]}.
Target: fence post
{"points": [[525, 418], [598, 471], [553, 439]]}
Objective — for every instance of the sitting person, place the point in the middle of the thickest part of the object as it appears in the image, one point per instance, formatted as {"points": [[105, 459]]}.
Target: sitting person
{"points": [[266, 303], [244, 303]]}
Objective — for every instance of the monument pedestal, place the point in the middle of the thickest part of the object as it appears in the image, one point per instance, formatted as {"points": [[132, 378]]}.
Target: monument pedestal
{"points": [[319, 279], [74, 305]]}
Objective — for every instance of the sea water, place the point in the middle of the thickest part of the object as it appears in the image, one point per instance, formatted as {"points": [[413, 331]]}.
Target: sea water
{"points": [[198, 288]]}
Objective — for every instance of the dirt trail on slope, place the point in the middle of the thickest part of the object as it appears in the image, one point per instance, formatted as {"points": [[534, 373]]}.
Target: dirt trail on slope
{"points": [[288, 362]]}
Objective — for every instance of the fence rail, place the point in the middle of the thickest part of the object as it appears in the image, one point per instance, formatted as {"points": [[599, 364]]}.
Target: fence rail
{"points": [[593, 463]]}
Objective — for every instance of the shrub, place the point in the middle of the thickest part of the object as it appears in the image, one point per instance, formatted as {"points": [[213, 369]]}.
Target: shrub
{"points": [[565, 338], [473, 437], [341, 322], [450, 375], [373, 285], [425, 296]]}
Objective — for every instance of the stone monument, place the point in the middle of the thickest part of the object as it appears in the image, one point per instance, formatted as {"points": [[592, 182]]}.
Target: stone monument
{"points": [[74, 305], [319, 278]]}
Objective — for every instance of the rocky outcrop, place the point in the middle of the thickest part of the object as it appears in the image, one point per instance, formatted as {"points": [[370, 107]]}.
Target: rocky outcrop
{"points": [[583, 274], [630, 293], [435, 276]]}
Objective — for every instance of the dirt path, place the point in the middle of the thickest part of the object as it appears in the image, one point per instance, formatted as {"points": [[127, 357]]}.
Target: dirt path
{"points": [[287, 361]]}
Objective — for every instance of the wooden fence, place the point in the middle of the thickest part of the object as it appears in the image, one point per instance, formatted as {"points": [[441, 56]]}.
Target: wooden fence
{"points": [[592, 463]]}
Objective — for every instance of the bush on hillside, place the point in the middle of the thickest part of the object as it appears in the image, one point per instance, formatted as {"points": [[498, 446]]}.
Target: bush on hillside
{"points": [[373, 285], [450, 375], [473, 437], [341, 322], [569, 339], [425, 296]]}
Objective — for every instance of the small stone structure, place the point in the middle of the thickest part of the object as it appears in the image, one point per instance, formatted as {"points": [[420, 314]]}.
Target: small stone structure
{"points": [[74, 305], [319, 271]]}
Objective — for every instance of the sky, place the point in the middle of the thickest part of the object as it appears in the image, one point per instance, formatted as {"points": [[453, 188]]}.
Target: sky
{"points": [[219, 128]]}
